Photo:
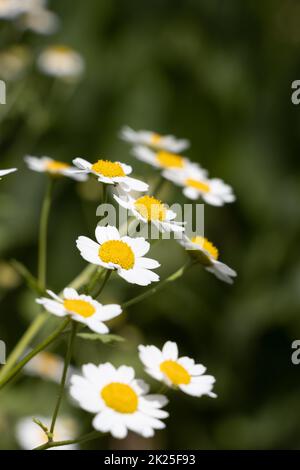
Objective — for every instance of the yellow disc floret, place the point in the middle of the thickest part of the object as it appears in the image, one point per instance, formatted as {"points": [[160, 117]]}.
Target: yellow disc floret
{"points": [[80, 307], [207, 246], [175, 372], [155, 139], [108, 169], [150, 208], [120, 397], [169, 160], [56, 167], [117, 252], [199, 185]]}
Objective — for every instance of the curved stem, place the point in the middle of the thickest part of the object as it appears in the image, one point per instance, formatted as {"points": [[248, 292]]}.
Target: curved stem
{"points": [[64, 376], [42, 263], [50, 339], [87, 437], [104, 282]]}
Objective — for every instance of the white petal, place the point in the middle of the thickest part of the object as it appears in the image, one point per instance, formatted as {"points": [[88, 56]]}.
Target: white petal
{"points": [[129, 184], [108, 312], [82, 164], [89, 250], [170, 351], [70, 293], [104, 234], [139, 245]]}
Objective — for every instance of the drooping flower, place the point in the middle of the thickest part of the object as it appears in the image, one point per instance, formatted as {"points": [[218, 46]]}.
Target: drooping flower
{"points": [[203, 251], [120, 401], [109, 172], [176, 372], [7, 172], [123, 254], [61, 61], [53, 167], [154, 140], [30, 435], [82, 308]]}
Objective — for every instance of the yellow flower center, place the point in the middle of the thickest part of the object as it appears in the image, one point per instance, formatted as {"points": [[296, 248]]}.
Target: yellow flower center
{"points": [[155, 139], [80, 307], [175, 372], [150, 208], [56, 167], [117, 252], [108, 169], [120, 397], [207, 246], [169, 160], [203, 187], [61, 49]]}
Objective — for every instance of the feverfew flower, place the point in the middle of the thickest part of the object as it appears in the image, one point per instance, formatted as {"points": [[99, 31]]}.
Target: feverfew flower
{"points": [[119, 400], [53, 167], [81, 308], [154, 140], [203, 251], [176, 372], [61, 61], [7, 172], [149, 209], [30, 435], [40, 20], [160, 158], [124, 254], [46, 366], [109, 172], [10, 9], [196, 185]]}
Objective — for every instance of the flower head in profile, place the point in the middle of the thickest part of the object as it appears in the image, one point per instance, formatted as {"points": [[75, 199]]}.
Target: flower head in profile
{"points": [[123, 254], [121, 402], [204, 252], [30, 435], [176, 372], [161, 159], [196, 185], [45, 365], [109, 172], [7, 172], [53, 167], [61, 61], [149, 209], [82, 308], [154, 140]]}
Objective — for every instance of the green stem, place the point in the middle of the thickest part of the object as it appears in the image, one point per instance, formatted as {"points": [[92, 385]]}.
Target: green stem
{"points": [[64, 376], [94, 279], [104, 282], [43, 235], [44, 344], [87, 437], [173, 277], [158, 185]]}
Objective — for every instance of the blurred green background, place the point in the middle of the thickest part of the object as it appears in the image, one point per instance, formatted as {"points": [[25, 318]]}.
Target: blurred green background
{"points": [[218, 73]]}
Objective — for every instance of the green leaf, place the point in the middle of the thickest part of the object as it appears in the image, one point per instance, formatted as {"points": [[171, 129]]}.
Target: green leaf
{"points": [[103, 338]]}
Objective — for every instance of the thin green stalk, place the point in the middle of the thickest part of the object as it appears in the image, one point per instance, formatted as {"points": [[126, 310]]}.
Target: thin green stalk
{"points": [[43, 235], [173, 277], [43, 345], [104, 282], [94, 279], [159, 184], [87, 437], [64, 376]]}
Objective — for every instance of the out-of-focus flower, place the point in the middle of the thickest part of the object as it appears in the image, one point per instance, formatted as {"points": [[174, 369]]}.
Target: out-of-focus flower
{"points": [[30, 435], [160, 158], [9, 278], [10, 9], [61, 61], [13, 62], [46, 366], [53, 167], [154, 140], [176, 372], [203, 251], [119, 401], [196, 185], [124, 254], [40, 20], [149, 209], [7, 172], [82, 308], [109, 172]]}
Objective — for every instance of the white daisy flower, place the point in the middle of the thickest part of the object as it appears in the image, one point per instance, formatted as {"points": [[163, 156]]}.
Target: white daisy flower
{"points": [[61, 61], [30, 435], [10, 9], [203, 251], [53, 167], [82, 308], [197, 185], [120, 401], [46, 366], [40, 20], [176, 372], [112, 173], [154, 140], [125, 254], [160, 158], [7, 172], [149, 209]]}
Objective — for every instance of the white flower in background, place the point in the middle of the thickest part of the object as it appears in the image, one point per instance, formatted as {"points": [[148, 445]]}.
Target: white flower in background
{"points": [[53, 167], [203, 251], [124, 254], [13, 61], [61, 61], [154, 140], [197, 185], [109, 172], [30, 435], [40, 20], [176, 372], [82, 308], [7, 172], [160, 158], [149, 209], [46, 366], [119, 401], [10, 9]]}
